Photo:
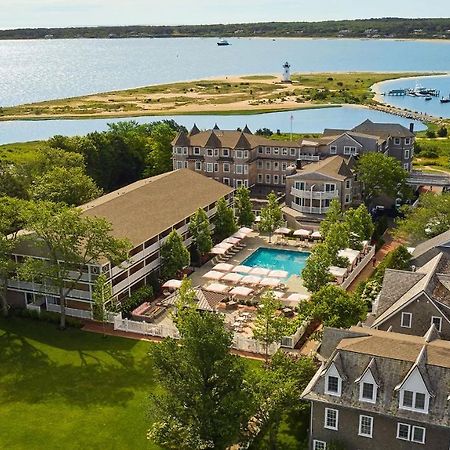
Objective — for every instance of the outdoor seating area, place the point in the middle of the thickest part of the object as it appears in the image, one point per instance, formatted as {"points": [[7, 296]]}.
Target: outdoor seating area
{"points": [[148, 312], [230, 246], [298, 238]]}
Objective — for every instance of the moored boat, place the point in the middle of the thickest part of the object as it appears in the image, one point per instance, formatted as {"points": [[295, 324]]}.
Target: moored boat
{"points": [[222, 42]]}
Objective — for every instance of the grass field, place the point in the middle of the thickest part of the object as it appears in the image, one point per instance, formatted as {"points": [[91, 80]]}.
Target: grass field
{"points": [[434, 155], [20, 152], [235, 95]]}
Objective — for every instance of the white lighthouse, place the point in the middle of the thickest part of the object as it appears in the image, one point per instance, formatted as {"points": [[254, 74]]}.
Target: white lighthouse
{"points": [[286, 73]]}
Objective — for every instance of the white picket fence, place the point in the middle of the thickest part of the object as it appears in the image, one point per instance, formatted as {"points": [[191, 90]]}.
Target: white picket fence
{"points": [[251, 346], [291, 341], [359, 268]]}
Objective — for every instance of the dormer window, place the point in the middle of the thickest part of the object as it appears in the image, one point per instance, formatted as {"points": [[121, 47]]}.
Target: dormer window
{"points": [[367, 391], [368, 387], [413, 400], [333, 382]]}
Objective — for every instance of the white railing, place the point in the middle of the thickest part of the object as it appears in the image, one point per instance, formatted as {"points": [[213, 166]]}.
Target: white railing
{"points": [[359, 268], [291, 341], [251, 346], [80, 313], [309, 157], [309, 209], [33, 307], [148, 329], [316, 195]]}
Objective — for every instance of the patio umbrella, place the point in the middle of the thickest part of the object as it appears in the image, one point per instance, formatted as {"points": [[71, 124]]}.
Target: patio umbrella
{"points": [[239, 235], [337, 272], [352, 255], [251, 279], [297, 297], [213, 275], [302, 233], [232, 240], [241, 291], [270, 282], [278, 274], [258, 219], [217, 251], [278, 294], [282, 231], [316, 235], [217, 287], [245, 230], [233, 277], [224, 245], [223, 267], [260, 271], [242, 269], [172, 284]]}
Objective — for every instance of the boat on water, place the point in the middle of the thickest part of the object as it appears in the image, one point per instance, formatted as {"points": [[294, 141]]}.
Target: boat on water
{"points": [[428, 98], [445, 99], [222, 42]]}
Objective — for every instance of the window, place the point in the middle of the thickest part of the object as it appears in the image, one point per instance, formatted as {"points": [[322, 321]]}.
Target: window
{"points": [[209, 152], [260, 150], [407, 141], [406, 320], [330, 187], [406, 166], [437, 321], [332, 384], [260, 178], [239, 169], [216, 152], [246, 154], [180, 164], [284, 151], [238, 183], [185, 150], [226, 152], [239, 154], [403, 431], [413, 400], [260, 164], [268, 178], [350, 150], [226, 167], [348, 198], [276, 165], [367, 391], [331, 418], [268, 165], [276, 151], [333, 150], [283, 179], [268, 151], [397, 141], [348, 184], [283, 166], [198, 165], [276, 179], [293, 151], [209, 167], [418, 435], [406, 154], [186, 165], [300, 185], [408, 398], [319, 445], [196, 151], [245, 169], [365, 426], [226, 181]]}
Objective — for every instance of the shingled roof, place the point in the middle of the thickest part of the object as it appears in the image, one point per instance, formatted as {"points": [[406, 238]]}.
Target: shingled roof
{"points": [[383, 130], [333, 167]]}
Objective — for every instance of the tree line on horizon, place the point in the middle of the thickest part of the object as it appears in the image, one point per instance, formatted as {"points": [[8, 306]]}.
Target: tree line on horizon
{"points": [[383, 27]]}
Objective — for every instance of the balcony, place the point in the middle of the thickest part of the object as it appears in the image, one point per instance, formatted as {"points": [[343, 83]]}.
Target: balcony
{"points": [[308, 157], [315, 195], [310, 209]]}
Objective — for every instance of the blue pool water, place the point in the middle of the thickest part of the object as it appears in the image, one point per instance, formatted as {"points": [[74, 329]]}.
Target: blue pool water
{"points": [[274, 259]]}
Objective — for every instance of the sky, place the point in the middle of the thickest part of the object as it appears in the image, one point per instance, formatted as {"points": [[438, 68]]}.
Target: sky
{"points": [[65, 13]]}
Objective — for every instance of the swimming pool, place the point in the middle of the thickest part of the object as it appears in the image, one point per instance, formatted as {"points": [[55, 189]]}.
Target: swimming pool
{"points": [[291, 261]]}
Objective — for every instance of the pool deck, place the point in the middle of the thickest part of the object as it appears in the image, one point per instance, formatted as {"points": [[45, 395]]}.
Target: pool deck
{"points": [[253, 242]]}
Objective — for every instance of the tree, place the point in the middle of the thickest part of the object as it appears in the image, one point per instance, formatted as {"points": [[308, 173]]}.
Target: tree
{"points": [[360, 225], [332, 216], [101, 295], [199, 228], [316, 273], [204, 400], [442, 132], [70, 186], [337, 239], [224, 221], [380, 175], [159, 159], [270, 325], [334, 307], [12, 184], [243, 206], [430, 218], [174, 256], [271, 215], [11, 217], [277, 391], [71, 242]]}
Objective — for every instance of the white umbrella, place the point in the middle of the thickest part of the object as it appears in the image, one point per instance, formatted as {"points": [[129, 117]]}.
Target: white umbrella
{"points": [[172, 284], [213, 275], [278, 274], [242, 291], [297, 297], [223, 267], [282, 231], [278, 294], [239, 235], [232, 240], [352, 255], [260, 271], [242, 269], [217, 287], [233, 277], [245, 230], [218, 251], [316, 235], [251, 279], [224, 245], [337, 272], [271, 282], [258, 219], [302, 233]]}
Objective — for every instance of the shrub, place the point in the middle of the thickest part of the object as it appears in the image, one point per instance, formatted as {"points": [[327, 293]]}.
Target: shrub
{"points": [[442, 132], [46, 316], [430, 134], [136, 298], [429, 153]]}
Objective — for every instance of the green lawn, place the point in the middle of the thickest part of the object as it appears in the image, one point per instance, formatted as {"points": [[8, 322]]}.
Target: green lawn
{"points": [[20, 152], [72, 389]]}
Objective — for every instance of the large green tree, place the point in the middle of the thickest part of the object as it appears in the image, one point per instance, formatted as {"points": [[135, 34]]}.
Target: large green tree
{"points": [[174, 256], [430, 218], [332, 216], [270, 324], [204, 400], [64, 185], [12, 212], [360, 225], [199, 228], [315, 274], [159, 158], [380, 175], [334, 307], [271, 215], [224, 221], [243, 206], [70, 242]]}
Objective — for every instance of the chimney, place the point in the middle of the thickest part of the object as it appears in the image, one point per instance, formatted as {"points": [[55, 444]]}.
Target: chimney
{"points": [[411, 127], [299, 164]]}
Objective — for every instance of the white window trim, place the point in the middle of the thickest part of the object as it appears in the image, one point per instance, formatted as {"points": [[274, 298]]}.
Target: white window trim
{"points": [[397, 141], [398, 431], [198, 165], [348, 184], [196, 151], [360, 433], [374, 392], [336, 375], [226, 167], [440, 322], [333, 150], [406, 154], [406, 314], [413, 407], [209, 166], [348, 198], [328, 427], [226, 181], [316, 444], [412, 434]]}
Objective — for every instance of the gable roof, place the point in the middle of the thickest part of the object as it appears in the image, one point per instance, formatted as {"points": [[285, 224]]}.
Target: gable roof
{"points": [[333, 167], [383, 130], [442, 240]]}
